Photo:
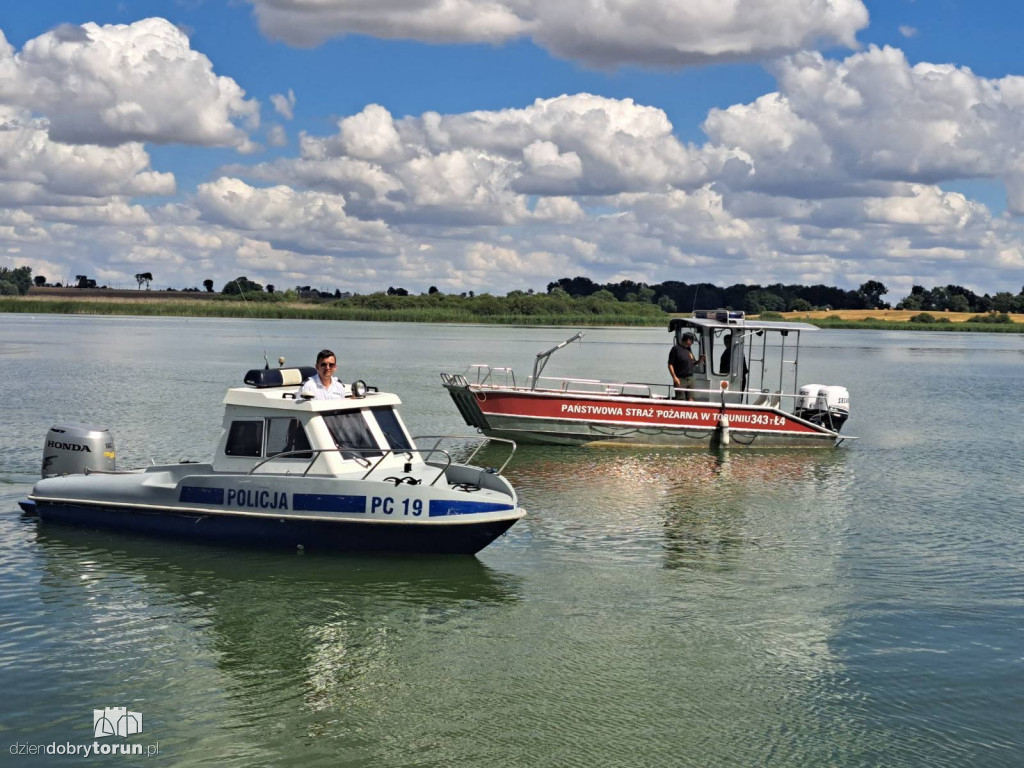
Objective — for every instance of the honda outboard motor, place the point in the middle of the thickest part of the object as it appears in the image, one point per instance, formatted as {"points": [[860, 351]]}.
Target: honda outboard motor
{"points": [[828, 406], [72, 450]]}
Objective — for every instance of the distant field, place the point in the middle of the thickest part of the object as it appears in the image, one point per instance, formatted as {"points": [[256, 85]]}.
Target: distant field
{"points": [[892, 315], [122, 294], [100, 301]]}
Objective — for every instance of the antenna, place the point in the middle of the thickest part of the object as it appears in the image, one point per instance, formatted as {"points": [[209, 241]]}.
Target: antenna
{"points": [[696, 290], [266, 362]]}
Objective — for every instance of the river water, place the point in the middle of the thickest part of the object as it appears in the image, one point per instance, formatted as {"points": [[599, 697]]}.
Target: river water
{"points": [[853, 607]]}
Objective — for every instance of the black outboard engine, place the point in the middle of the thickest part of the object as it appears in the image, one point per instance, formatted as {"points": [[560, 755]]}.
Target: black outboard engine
{"points": [[828, 406], [73, 450]]}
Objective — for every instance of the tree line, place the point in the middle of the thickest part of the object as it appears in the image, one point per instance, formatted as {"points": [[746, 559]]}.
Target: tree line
{"points": [[675, 296], [669, 296]]}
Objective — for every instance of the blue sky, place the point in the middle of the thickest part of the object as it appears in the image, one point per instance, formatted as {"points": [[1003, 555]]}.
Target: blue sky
{"points": [[501, 145]]}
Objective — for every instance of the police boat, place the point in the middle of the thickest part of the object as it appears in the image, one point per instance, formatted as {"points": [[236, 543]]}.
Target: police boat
{"points": [[341, 475]]}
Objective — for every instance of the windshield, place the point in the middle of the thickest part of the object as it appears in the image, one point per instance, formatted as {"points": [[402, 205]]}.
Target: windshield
{"points": [[387, 419], [350, 430]]}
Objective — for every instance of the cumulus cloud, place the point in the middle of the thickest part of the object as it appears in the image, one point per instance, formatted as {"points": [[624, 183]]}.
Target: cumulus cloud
{"points": [[659, 33], [35, 170], [873, 124], [481, 167], [300, 221], [115, 84]]}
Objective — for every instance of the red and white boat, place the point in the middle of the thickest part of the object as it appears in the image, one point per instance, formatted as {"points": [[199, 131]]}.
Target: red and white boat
{"points": [[739, 396]]}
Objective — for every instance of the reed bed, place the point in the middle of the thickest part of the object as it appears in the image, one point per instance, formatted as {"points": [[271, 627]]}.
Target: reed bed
{"points": [[283, 311], [458, 313]]}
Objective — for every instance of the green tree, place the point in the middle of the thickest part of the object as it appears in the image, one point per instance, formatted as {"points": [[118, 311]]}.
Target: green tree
{"points": [[20, 278], [241, 285], [800, 305], [757, 302], [1004, 301], [959, 303], [208, 285], [666, 304], [872, 292], [39, 280]]}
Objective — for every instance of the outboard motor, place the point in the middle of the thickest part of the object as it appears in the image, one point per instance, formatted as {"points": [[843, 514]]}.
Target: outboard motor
{"points": [[73, 450], [828, 406]]}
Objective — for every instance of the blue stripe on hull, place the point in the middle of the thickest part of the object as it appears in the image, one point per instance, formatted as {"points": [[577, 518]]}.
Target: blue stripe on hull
{"points": [[443, 508], [196, 494], [312, 535], [327, 502]]}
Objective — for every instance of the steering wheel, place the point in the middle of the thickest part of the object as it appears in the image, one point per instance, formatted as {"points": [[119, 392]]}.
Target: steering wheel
{"points": [[400, 480]]}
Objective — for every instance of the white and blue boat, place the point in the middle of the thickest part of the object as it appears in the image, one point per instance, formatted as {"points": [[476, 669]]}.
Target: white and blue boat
{"points": [[341, 475]]}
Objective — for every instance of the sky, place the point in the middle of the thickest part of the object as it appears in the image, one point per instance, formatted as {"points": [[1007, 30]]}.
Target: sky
{"points": [[498, 145]]}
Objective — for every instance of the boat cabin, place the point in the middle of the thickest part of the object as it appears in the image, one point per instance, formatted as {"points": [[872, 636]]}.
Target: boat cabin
{"points": [[270, 428], [757, 359]]}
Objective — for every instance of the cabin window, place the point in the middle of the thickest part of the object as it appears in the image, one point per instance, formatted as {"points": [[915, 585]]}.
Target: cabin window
{"points": [[285, 435], [245, 438], [350, 430], [389, 424]]}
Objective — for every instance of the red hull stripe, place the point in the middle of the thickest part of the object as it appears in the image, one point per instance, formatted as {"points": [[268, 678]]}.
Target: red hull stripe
{"points": [[663, 413]]}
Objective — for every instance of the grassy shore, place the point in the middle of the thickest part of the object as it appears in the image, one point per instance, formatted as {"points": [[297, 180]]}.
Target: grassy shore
{"points": [[175, 305], [161, 307]]}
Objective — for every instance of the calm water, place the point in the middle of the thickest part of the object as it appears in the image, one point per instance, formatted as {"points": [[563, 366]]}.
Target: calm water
{"points": [[858, 607]]}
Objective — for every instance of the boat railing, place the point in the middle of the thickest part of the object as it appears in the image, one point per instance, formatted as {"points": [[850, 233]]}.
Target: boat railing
{"points": [[312, 454], [602, 387], [483, 374], [481, 440], [761, 397]]}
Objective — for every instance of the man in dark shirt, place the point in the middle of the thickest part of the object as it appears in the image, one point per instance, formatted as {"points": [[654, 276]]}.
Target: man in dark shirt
{"points": [[681, 363], [726, 362]]}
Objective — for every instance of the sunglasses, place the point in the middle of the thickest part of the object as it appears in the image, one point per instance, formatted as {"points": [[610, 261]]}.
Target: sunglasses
{"points": [[328, 365]]}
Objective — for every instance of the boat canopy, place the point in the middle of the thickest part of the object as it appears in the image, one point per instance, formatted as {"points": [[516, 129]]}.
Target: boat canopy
{"points": [[678, 323]]}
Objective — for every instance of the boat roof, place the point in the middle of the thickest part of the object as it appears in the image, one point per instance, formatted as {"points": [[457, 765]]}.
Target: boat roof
{"points": [[278, 389], [749, 325], [286, 399], [732, 318]]}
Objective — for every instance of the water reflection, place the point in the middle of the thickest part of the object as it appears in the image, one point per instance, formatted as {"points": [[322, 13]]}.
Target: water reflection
{"points": [[695, 507], [257, 641]]}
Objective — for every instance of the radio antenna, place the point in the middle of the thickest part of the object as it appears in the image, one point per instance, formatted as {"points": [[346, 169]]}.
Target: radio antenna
{"points": [[696, 290], [255, 325]]}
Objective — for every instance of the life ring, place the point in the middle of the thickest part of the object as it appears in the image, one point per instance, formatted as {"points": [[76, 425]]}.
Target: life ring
{"points": [[480, 395]]}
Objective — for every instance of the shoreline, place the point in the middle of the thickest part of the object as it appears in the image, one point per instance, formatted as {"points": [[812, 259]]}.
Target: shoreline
{"points": [[189, 305]]}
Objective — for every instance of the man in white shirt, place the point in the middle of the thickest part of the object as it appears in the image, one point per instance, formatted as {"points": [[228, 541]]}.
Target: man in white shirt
{"points": [[324, 386]]}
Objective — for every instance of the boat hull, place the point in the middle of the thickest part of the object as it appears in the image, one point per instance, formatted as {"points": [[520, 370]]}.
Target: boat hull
{"points": [[456, 538], [531, 416]]}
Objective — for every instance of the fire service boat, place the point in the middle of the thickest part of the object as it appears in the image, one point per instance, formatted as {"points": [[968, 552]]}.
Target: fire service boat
{"points": [[739, 397], [293, 473]]}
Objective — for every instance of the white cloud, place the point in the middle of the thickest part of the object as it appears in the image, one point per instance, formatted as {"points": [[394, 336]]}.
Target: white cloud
{"points": [[660, 33], [908, 31], [277, 136], [284, 104], [301, 221], [480, 167], [873, 124], [115, 84], [36, 170]]}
